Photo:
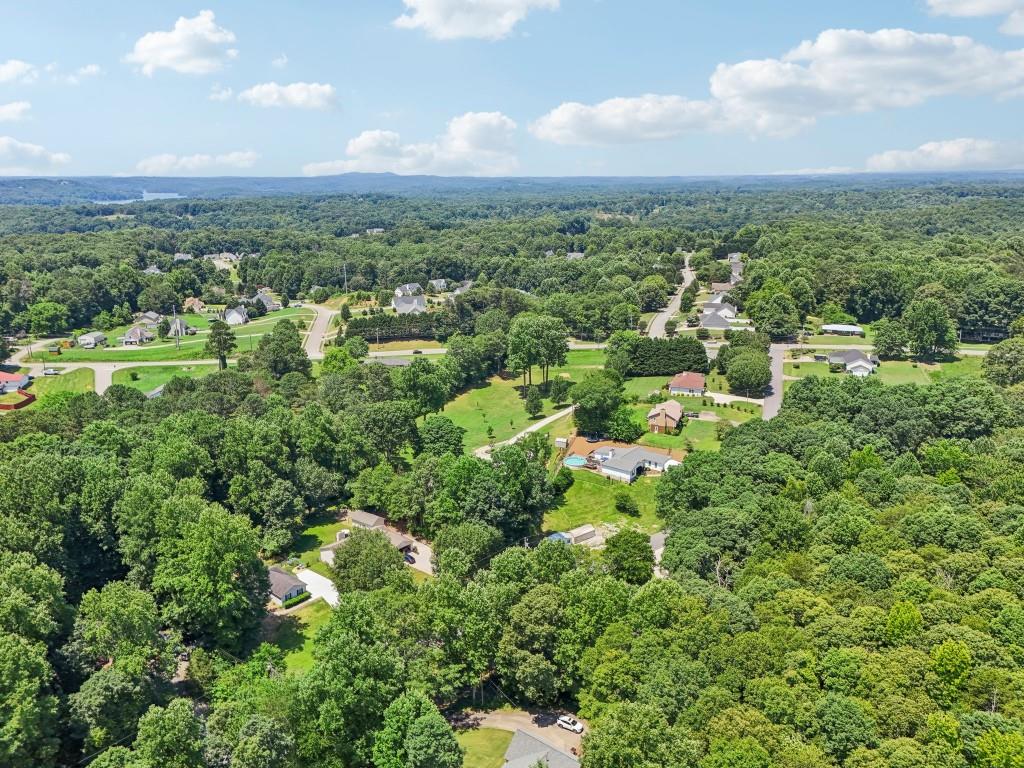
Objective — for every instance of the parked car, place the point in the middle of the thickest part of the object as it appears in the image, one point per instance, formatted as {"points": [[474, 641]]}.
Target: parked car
{"points": [[570, 723], [692, 415], [410, 559], [51, 372]]}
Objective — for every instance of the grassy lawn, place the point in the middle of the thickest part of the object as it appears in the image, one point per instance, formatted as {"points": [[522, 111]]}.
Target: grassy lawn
{"points": [[485, 747], [405, 345], [739, 412], [77, 380], [898, 371], [191, 347], [149, 377], [295, 634], [498, 405], [642, 386], [716, 382], [701, 435], [591, 499], [322, 530]]}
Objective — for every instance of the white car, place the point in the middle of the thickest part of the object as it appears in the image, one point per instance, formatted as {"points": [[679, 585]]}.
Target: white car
{"points": [[51, 372], [570, 724]]}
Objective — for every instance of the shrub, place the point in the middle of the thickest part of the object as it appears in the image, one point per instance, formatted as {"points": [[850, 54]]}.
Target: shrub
{"points": [[296, 600], [626, 504]]}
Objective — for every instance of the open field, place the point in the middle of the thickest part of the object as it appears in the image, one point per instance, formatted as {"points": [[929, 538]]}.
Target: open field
{"points": [[591, 499], [485, 747], [407, 346], [897, 371], [498, 404], [190, 348], [295, 632], [149, 377]]}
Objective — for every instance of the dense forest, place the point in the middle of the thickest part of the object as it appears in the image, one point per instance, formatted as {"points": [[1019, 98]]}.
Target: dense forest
{"points": [[842, 585]]}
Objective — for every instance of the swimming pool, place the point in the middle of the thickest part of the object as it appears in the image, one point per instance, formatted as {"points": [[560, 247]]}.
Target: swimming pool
{"points": [[575, 461]]}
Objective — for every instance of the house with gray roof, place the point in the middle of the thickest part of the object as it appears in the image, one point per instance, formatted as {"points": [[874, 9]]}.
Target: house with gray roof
{"points": [[627, 464], [725, 309], [152, 269], [284, 586], [714, 321], [409, 305], [179, 327], [853, 361], [92, 340], [236, 316], [409, 289], [266, 300], [150, 318], [527, 751], [136, 335], [362, 519], [440, 285]]}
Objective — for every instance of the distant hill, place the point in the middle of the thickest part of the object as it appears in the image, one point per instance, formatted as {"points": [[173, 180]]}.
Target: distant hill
{"points": [[90, 189]]}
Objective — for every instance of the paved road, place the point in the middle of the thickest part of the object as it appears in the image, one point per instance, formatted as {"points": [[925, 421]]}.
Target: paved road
{"points": [[485, 451], [314, 343], [318, 586], [656, 329], [543, 728]]}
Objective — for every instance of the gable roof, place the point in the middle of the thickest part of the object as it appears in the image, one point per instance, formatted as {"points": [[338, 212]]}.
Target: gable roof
{"points": [[719, 307], [720, 287], [408, 289], [5, 376], [526, 750], [687, 380], [850, 356], [178, 327], [409, 305], [439, 284], [627, 461], [841, 328], [670, 408], [282, 582], [364, 518], [137, 333]]}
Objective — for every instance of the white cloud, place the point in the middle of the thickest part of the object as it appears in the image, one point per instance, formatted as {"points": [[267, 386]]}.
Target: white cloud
{"points": [[80, 74], [474, 144], [17, 71], [1013, 10], [217, 93], [280, 62], [455, 19], [170, 164], [841, 71], [298, 95], [16, 110], [196, 46], [640, 118], [952, 155], [19, 158]]}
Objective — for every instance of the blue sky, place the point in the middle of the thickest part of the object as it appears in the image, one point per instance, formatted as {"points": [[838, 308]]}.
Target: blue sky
{"points": [[509, 87]]}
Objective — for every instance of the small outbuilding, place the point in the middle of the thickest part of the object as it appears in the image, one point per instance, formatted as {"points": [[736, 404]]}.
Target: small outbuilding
{"points": [[842, 329], [368, 520]]}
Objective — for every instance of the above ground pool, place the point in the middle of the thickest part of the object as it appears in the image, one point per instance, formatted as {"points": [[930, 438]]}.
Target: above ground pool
{"points": [[575, 461]]}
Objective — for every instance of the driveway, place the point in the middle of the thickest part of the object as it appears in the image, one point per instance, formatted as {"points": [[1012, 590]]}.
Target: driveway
{"points": [[318, 586], [424, 556], [485, 451], [314, 342], [541, 725]]}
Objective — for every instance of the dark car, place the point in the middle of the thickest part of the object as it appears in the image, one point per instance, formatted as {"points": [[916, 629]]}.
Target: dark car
{"points": [[410, 559]]}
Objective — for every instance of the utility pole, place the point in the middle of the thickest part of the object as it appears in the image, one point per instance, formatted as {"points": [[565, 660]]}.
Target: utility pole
{"points": [[344, 268], [174, 327]]}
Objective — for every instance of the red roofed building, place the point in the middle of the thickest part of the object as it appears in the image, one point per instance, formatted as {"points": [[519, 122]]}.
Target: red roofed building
{"points": [[687, 383], [10, 382]]}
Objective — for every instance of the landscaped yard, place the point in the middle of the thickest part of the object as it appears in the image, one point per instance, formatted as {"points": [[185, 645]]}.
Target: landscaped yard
{"points": [[485, 747], [700, 435], [322, 530], [295, 632], [149, 377], [498, 405], [897, 371], [75, 380], [591, 499], [190, 348]]}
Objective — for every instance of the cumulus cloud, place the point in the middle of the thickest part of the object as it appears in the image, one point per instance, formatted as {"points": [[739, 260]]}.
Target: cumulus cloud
{"points": [[952, 155], [17, 71], [14, 111], [280, 62], [83, 73], [455, 19], [298, 95], [196, 46], [170, 164], [1013, 10], [841, 71], [19, 158], [474, 144]]}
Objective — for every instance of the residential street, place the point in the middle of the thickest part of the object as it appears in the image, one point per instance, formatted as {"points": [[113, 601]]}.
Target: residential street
{"points": [[773, 402], [656, 329], [314, 342]]}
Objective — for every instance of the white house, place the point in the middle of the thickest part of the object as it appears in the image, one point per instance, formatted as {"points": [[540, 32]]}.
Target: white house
{"points": [[284, 586], [842, 329], [726, 310], [853, 362], [626, 465], [11, 382], [409, 305], [409, 289], [236, 316], [136, 335], [92, 340], [151, 319], [687, 383]]}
